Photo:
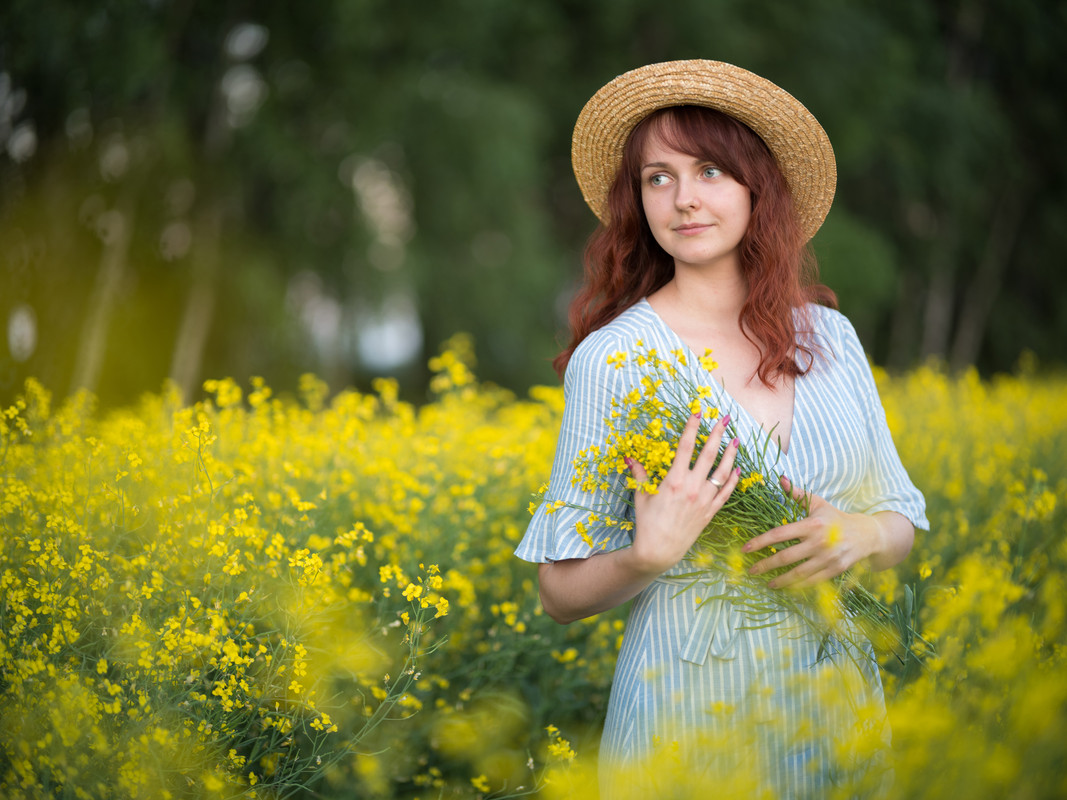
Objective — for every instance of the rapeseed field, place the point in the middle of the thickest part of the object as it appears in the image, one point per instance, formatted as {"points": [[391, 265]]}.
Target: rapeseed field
{"points": [[303, 596]]}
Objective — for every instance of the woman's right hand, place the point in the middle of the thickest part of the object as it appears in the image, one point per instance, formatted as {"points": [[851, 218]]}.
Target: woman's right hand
{"points": [[667, 525], [670, 521]]}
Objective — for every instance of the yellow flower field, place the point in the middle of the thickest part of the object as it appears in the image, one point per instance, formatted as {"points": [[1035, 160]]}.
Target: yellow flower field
{"points": [[272, 596]]}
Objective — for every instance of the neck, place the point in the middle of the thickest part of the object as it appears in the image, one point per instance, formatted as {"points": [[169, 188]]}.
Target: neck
{"points": [[702, 294]]}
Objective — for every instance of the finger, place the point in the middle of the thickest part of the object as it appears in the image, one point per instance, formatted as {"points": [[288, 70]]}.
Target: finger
{"points": [[723, 494], [637, 470], [724, 472], [800, 572], [706, 460], [787, 580], [800, 495], [686, 444], [783, 533], [795, 554], [820, 564], [800, 577]]}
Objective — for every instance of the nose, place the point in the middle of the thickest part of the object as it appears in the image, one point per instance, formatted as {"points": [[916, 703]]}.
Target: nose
{"points": [[685, 195]]}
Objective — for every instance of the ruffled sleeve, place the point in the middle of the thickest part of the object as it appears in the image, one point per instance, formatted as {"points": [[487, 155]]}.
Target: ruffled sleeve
{"points": [[888, 487], [589, 385]]}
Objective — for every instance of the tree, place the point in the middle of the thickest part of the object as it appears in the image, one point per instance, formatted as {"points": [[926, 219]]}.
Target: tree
{"points": [[294, 185]]}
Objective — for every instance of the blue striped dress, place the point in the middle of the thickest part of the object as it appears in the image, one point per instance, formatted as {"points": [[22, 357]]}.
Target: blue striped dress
{"points": [[749, 711]]}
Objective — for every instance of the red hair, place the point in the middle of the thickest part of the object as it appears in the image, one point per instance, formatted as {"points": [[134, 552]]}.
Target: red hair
{"points": [[624, 263]]}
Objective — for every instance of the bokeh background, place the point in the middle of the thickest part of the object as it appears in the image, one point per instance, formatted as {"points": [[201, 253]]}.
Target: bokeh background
{"points": [[222, 576], [192, 190]]}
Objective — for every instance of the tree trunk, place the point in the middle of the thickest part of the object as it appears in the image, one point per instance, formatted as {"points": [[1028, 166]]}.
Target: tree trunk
{"points": [[114, 257], [985, 285], [905, 321], [938, 315], [937, 312], [207, 238], [199, 310]]}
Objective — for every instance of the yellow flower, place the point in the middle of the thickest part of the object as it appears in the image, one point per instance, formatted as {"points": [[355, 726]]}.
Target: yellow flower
{"points": [[749, 481], [570, 654], [561, 749], [707, 362]]}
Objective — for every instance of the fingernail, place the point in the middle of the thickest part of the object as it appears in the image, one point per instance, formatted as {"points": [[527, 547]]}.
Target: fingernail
{"points": [[726, 420], [737, 471], [735, 443], [772, 585], [629, 462]]}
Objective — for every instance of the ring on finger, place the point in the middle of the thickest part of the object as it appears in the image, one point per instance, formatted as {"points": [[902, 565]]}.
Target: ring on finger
{"points": [[718, 484]]}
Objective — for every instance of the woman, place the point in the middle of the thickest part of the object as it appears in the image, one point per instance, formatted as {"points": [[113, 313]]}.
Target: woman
{"points": [[709, 181]]}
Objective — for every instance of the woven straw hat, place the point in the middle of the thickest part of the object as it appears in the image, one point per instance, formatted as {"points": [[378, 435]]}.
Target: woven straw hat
{"points": [[794, 136]]}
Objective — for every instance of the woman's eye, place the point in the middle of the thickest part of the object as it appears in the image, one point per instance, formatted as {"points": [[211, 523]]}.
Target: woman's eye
{"points": [[658, 180], [712, 172]]}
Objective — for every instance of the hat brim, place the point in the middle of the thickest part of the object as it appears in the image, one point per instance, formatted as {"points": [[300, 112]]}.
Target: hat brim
{"points": [[797, 140]]}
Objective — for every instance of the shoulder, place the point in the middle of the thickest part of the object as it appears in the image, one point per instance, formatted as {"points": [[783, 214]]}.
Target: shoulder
{"points": [[621, 334], [830, 331], [828, 321]]}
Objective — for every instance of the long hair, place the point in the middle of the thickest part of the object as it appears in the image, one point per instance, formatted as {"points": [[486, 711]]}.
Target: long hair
{"points": [[624, 263]]}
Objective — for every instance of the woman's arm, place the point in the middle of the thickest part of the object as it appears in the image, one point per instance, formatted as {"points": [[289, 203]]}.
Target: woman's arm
{"points": [[581, 587], [829, 541], [666, 525]]}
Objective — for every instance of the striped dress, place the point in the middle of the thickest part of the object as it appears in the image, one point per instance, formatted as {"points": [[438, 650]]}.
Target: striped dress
{"points": [[700, 697]]}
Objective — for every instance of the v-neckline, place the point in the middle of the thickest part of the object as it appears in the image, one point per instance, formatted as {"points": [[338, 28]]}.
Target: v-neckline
{"points": [[735, 405]]}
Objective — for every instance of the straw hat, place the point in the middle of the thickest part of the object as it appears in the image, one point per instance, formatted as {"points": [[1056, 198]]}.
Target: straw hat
{"points": [[794, 136]]}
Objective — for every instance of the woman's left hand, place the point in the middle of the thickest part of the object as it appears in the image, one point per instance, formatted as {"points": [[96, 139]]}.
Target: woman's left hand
{"points": [[828, 542]]}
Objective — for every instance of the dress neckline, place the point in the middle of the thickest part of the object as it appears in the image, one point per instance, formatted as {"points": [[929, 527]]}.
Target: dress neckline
{"points": [[735, 406]]}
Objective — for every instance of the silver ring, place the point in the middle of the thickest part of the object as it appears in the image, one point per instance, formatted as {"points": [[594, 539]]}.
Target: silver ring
{"points": [[717, 484]]}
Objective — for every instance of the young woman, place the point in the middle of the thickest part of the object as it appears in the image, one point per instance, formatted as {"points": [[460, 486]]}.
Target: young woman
{"points": [[709, 181]]}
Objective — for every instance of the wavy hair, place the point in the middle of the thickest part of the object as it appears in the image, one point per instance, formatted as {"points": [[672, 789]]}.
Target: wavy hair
{"points": [[624, 263]]}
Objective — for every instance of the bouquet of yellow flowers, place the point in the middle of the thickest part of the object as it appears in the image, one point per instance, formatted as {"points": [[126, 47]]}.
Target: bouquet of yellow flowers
{"points": [[645, 425]]}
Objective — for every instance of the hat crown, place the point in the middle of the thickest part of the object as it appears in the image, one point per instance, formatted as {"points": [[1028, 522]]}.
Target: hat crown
{"points": [[796, 139]]}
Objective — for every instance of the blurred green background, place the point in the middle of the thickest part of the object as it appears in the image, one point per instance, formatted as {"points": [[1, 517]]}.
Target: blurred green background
{"points": [[206, 189]]}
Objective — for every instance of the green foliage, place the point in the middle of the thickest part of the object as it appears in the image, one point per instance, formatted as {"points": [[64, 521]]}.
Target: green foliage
{"points": [[945, 118]]}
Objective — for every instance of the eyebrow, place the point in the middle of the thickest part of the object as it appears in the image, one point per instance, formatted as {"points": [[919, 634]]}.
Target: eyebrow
{"points": [[665, 165]]}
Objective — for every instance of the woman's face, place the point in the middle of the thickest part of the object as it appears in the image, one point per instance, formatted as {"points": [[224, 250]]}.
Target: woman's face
{"points": [[697, 212]]}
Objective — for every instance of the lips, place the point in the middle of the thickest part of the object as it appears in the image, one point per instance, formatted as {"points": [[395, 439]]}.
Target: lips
{"points": [[691, 229]]}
